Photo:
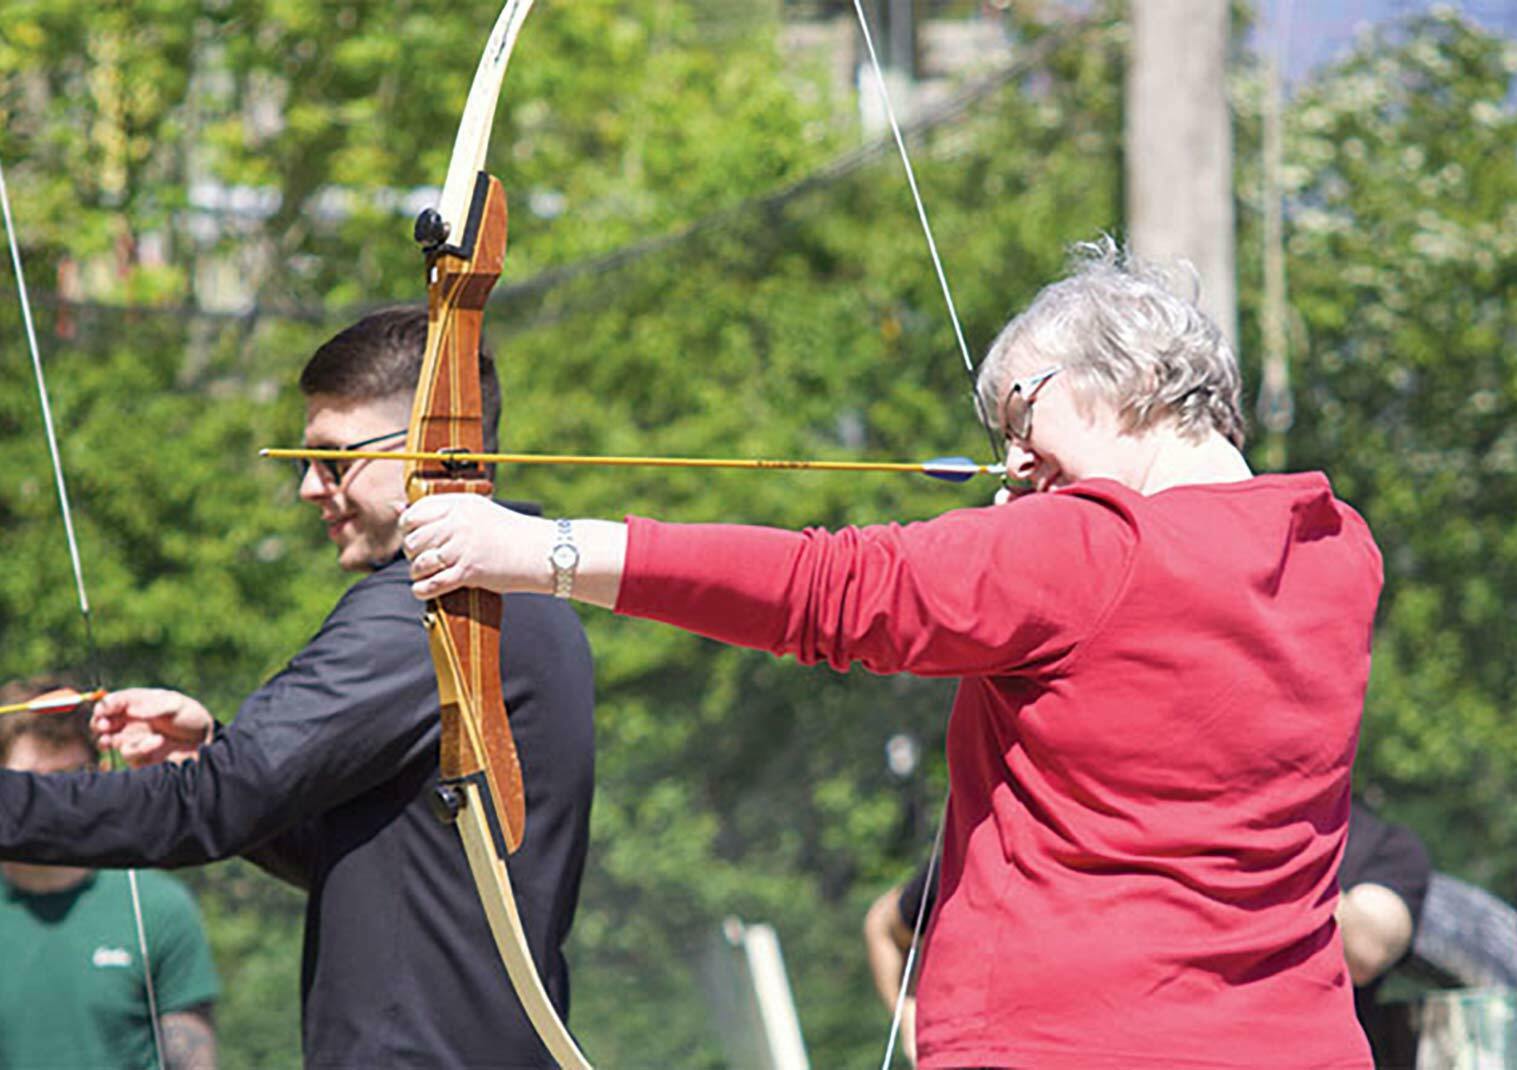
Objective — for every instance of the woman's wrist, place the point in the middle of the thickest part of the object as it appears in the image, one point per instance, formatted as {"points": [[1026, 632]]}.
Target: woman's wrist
{"points": [[601, 547]]}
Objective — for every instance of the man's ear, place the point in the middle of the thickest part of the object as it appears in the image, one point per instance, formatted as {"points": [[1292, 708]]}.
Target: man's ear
{"points": [[398, 406]]}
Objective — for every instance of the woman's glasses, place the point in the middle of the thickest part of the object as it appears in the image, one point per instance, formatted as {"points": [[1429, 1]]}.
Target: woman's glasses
{"points": [[1016, 413]]}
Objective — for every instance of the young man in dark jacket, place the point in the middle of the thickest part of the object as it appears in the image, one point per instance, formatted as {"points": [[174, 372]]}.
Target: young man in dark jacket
{"points": [[325, 776]]}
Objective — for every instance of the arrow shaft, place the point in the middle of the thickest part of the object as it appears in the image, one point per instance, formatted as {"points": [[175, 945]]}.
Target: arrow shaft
{"points": [[955, 467], [54, 703]]}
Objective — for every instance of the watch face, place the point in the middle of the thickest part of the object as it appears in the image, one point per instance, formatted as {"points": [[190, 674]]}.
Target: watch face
{"points": [[564, 556]]}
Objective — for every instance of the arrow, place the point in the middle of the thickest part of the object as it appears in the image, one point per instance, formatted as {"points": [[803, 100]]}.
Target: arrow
{"points": [[949, 469], [54, 702]]}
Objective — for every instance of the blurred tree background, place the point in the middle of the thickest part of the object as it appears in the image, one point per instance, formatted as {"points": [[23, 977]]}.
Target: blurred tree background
{"points": [[704, 260]]}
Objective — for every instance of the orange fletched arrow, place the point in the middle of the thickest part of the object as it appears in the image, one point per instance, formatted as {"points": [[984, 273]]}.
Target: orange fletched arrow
{"points": [[60, 701]]}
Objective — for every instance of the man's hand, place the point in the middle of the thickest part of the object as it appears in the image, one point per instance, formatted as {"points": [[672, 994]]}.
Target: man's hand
{"points": [[148, 725]]}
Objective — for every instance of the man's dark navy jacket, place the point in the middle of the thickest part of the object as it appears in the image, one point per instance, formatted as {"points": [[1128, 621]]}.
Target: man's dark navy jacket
{"points": [[324, 778]]}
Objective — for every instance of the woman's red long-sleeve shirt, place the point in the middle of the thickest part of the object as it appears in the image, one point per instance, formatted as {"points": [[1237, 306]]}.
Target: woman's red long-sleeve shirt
{"points": [[1149, 752]]}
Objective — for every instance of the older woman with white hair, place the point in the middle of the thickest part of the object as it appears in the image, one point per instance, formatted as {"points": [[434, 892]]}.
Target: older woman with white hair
{"points": [[1162, 662]]}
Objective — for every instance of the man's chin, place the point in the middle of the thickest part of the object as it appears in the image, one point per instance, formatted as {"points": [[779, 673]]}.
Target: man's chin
{"points": [[361, 556], [352, 558]]}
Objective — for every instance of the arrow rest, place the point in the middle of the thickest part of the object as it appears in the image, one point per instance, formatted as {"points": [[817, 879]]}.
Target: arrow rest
{"points": [[463, 463]]}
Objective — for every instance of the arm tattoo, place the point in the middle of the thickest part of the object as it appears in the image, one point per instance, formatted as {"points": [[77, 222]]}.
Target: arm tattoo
{"points": [[189, 1039]]}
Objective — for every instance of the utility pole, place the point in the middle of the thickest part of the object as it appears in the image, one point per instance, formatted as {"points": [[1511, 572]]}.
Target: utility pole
{"points": [[895, 31], [1179, 146], [1276, 407], [901, 35]]}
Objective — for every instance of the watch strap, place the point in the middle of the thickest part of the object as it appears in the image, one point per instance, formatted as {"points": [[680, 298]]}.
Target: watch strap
{"points": [[564, 557]]}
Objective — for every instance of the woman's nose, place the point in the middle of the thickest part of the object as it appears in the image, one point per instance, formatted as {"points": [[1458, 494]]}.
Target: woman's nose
{"points": [[1020, 462]]}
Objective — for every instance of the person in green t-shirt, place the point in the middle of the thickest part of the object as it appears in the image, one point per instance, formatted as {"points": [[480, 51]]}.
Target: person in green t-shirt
{"points": [[73, 991]]}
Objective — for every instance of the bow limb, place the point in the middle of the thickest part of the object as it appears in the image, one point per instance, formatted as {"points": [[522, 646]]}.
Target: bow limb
{"points": [[473, 138], [510, 940], [480, 785]]}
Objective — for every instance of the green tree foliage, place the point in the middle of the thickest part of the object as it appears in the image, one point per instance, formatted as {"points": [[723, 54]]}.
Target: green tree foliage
{"points": [[699, 266], [1402, 255]]}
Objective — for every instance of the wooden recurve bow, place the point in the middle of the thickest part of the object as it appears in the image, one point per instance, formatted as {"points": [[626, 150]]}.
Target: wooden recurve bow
{"points": [[480, 789]]}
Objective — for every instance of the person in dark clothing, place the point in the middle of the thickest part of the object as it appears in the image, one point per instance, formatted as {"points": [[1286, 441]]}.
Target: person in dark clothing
{"points": [[324, 777], [1384, 879]]}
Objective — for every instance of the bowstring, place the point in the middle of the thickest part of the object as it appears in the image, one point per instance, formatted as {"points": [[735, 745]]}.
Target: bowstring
{"points": [[932, 244], [91, 651], [916, 936], [995, 450]]}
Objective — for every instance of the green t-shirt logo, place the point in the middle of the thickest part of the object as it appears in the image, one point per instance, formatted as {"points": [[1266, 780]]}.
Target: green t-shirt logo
{"points": [[106, 957]]}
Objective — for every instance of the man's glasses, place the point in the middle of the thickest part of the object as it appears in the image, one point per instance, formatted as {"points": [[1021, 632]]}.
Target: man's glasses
{"points": [[334, 471], [1016, 413]]}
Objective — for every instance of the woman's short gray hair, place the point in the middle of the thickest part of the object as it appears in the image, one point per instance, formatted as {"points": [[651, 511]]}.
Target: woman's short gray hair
{"points": [[1117, 325]]}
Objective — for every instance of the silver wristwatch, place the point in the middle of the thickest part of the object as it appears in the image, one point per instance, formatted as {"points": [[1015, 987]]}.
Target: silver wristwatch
{"points": [[564, 557]]}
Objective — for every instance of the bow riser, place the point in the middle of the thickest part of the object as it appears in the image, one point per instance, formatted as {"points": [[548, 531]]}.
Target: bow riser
{"points": [[463, 628], [445, 414], [476, 734]]}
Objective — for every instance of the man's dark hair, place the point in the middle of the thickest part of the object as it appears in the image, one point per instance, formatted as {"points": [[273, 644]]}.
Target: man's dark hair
{"points": [[58, 729], [380, 356]]}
